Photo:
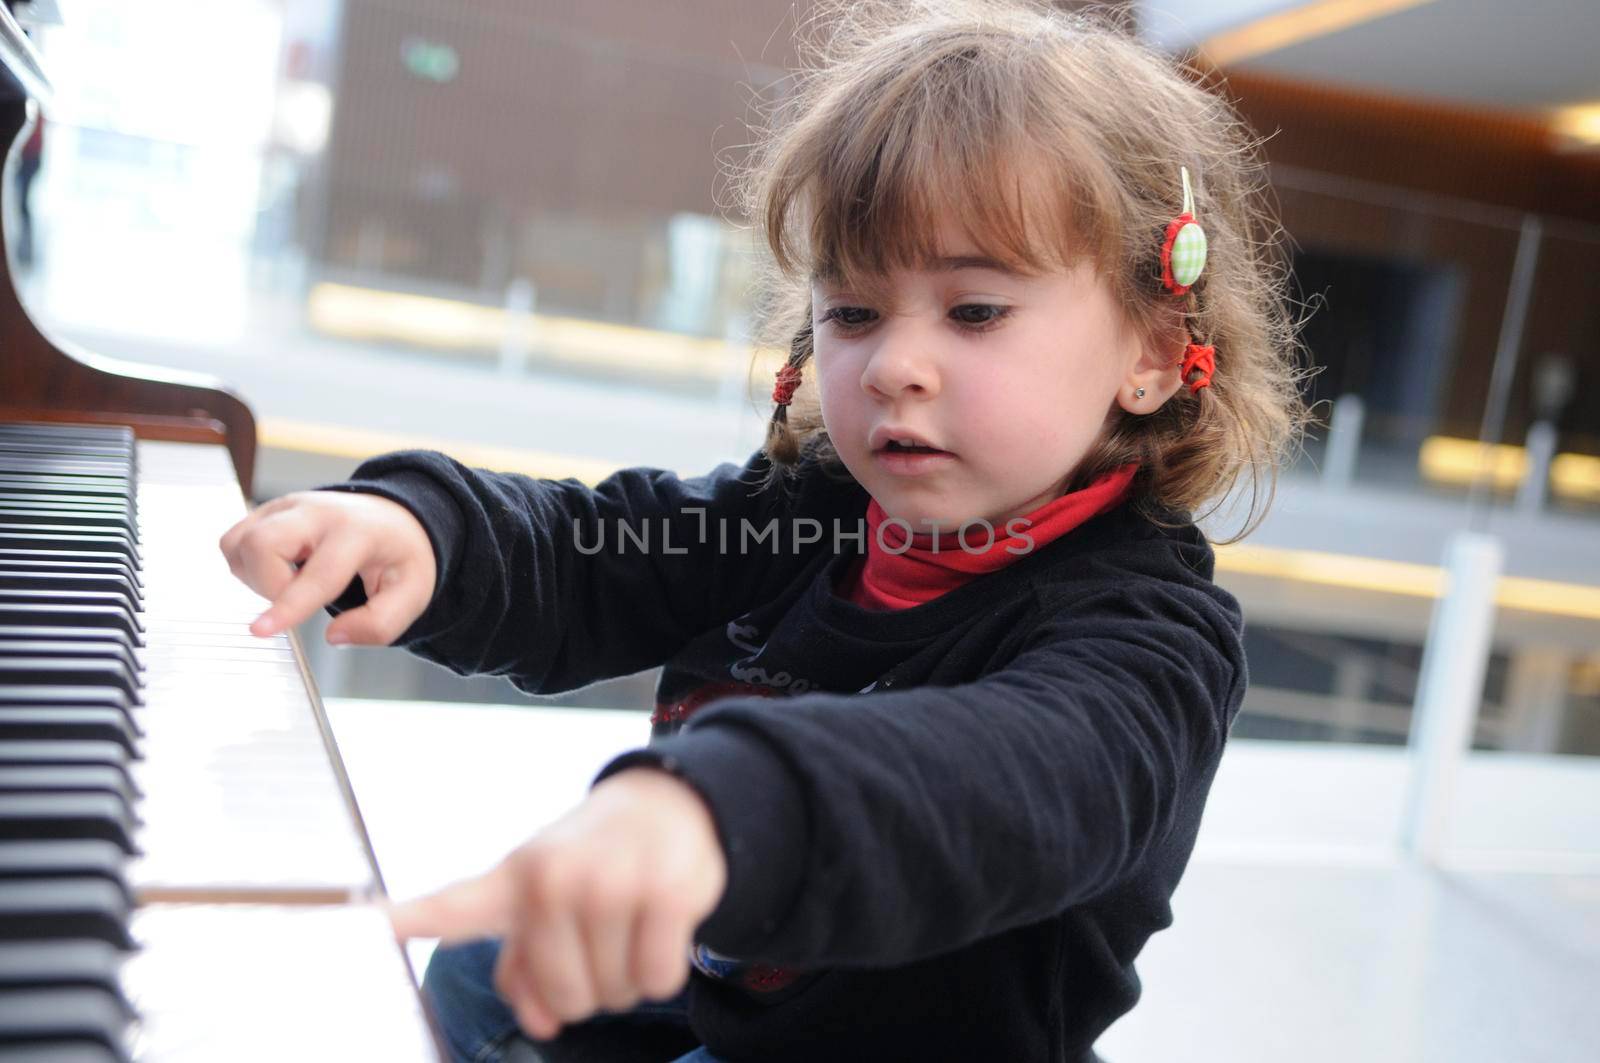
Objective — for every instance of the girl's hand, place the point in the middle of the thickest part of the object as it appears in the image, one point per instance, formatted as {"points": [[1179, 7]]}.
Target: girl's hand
{"points": [[302, 550], [598, 910]]}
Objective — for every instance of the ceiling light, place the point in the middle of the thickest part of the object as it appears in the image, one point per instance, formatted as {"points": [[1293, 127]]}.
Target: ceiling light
{"points": [[1316, 19]]}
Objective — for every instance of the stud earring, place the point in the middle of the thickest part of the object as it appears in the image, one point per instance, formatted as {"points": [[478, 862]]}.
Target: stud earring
{"points": [[1138, 393]]}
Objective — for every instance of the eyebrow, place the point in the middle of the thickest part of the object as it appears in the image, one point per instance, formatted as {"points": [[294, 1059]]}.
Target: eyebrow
{"points": [[942, 264], [955, 262]]}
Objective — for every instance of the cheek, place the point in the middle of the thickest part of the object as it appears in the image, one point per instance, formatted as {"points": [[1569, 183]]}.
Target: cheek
{"points": [[1038, 421], [830, 370]]}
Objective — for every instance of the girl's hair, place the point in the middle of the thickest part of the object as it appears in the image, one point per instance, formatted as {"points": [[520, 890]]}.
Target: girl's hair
{"points": [[1057, 137]]}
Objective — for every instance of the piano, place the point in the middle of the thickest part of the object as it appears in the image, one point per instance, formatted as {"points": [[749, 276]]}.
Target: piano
{"points": [[184, 873]]}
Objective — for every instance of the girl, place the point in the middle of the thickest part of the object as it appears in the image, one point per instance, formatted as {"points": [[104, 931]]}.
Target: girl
{"points": [[946, 676]]}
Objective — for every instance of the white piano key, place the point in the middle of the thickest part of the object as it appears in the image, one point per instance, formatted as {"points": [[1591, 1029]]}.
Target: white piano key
{"points": [[242, 789], [270, 983]]}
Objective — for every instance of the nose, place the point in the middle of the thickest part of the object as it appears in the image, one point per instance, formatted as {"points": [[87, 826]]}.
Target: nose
{"points": [[901, 363]]}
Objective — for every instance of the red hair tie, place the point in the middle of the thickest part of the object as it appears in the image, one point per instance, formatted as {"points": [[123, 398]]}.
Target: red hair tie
{"points": [[788, 380], [1204, 359]]}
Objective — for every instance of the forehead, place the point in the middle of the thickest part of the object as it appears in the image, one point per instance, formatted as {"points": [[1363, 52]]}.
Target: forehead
{"points": [[1006, 213]]}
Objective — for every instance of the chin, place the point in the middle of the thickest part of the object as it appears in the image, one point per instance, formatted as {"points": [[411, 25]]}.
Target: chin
{"points": [[921, 518]]}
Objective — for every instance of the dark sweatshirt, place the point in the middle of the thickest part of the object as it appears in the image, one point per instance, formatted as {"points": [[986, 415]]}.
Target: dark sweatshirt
{"points": [[961, 820]]}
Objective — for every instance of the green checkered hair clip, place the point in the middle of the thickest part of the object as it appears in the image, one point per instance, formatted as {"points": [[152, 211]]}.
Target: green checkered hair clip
{"points": [[1183, 251]]}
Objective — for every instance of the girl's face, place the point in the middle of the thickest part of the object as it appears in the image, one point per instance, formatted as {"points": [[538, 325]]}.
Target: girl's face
{"points": [[1011, 377]]}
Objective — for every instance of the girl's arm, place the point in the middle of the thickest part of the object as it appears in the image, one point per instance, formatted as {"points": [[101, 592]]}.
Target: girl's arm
{"points": [[877, 829], [539, 581]]}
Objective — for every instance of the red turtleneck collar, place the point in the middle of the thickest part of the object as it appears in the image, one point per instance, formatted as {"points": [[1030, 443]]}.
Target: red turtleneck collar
{"points": [[896, 576]]}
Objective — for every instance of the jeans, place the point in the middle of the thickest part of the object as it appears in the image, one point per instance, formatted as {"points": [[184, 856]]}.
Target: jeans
{"points": [[478, 1027]]}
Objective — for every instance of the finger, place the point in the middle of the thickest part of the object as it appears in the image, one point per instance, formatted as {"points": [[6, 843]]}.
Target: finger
{"points": [[557, 965], [229, 543], [475, 908], [512, 982], [607, 930], [389, 610], [660, 954], [264, 558], [324, 576]]}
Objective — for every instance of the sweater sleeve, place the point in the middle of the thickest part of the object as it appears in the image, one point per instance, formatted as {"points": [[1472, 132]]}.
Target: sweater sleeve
{"points": [[877, 829], [555, 584]]}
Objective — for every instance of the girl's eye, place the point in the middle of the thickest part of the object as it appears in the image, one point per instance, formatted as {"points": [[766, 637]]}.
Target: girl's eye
{"points": [[850, 317], [979, 315]]}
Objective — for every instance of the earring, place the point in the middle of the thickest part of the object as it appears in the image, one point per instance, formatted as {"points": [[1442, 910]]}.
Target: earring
{"points": [[1138, 393]]}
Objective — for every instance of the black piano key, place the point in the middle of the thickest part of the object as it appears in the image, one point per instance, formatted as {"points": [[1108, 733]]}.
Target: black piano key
{"points": [[27, 723], [48, 537], [92, 503], [62, 1025], [35, 817], [62, 597], [62, 965], [92, 908], [85, 519], [94, 521], [68, 442], [69, 535], [46, 447], [10, 444], [16, 580], [14, 454], [101, 649], [86, 780], [70, 429], [77, 450], [63, 1052], [78, 697], [69, 671], [20, 463], [111, 490], [98, 433], [46, 754], [67, 561], [47, 615], [74, 908], [65, 858], [16, 460]]}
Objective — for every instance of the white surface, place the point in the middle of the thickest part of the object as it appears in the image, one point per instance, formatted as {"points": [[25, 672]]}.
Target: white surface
{"points": [[1300, 933]]}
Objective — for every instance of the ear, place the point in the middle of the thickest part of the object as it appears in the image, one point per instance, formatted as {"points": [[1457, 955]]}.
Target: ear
{"points": [[1153, 365]]}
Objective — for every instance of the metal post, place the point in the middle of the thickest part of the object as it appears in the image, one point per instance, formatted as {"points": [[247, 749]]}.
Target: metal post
{"points": [[520, 295], [1505, 364], [1540, 448], [1344, 441], [1449, 689]]}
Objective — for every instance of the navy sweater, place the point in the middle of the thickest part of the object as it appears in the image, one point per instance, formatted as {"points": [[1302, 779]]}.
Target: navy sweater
{"points": [[961, 820]]}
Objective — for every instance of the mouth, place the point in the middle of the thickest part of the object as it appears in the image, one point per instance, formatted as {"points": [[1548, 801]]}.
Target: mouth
{"points": [[896, 447], [897, 441]]}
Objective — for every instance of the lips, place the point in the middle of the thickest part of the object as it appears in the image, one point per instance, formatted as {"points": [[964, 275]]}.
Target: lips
{"points": [[895, 439]]}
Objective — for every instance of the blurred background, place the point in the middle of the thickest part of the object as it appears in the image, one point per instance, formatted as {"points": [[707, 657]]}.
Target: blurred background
{"points": [[493, 227]]}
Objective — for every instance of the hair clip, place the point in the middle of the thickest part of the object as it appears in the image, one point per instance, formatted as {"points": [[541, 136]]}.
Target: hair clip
{"points": [[1183, 251], [788, 380]]}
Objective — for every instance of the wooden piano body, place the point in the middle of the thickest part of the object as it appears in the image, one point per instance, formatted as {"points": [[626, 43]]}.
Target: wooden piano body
{"points": [[184, 874]]}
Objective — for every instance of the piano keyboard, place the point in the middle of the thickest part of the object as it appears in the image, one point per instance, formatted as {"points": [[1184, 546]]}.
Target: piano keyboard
{"points": [[183, 872]]}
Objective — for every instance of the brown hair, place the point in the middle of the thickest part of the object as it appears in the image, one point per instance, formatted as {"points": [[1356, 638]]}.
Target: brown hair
{"points": [[1059, 137]]}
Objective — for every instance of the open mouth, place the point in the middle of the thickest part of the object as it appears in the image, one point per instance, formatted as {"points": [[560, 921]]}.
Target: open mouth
{"points": [[894, 446]]}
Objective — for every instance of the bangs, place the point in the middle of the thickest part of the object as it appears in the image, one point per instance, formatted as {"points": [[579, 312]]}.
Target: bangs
{"points": [[865, 183]]}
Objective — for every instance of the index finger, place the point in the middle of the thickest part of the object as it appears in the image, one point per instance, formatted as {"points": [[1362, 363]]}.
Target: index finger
{"points": [[474, 908], [324, 576]]}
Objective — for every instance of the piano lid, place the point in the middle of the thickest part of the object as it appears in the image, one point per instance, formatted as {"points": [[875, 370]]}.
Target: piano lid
{"points": [[21, 73]]}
